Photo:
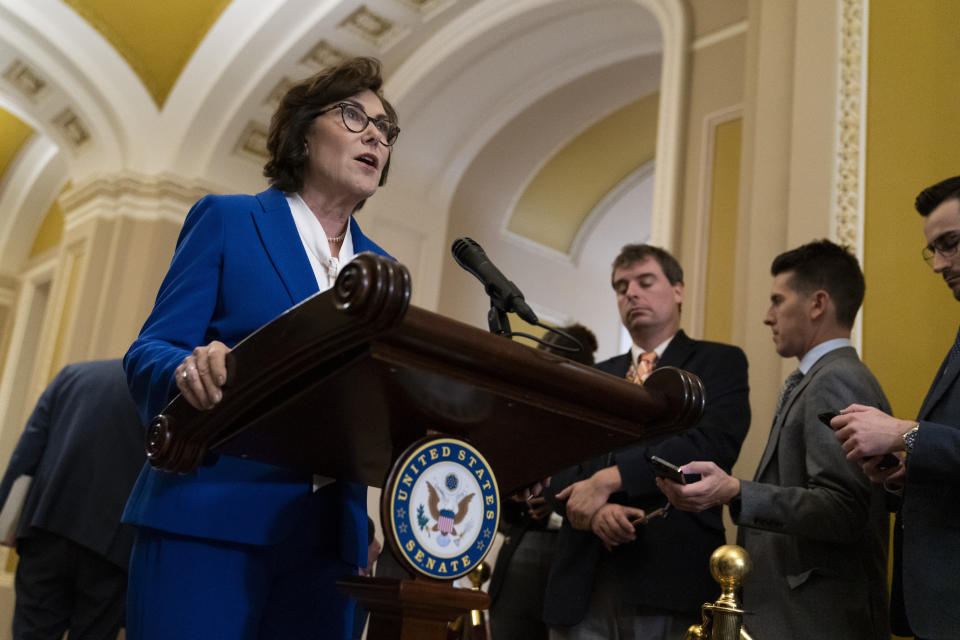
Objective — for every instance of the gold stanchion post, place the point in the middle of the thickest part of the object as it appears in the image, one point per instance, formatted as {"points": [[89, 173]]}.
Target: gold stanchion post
{"points": [[723, 620]]}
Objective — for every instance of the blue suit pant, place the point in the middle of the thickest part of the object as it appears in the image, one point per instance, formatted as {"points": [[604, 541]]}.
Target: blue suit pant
{"points": [[191, 588]]}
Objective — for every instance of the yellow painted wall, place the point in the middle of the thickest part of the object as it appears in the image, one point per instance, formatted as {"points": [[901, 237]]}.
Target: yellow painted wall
{"points": [[912, 140], [724, 204], [50, 232], [15, 135], [155, 38], [519, 325], [580, 175]]}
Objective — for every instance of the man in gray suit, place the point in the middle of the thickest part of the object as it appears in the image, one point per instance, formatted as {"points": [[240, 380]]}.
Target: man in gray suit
{"points": [[83, 445], [926, 485], [812, 522]]}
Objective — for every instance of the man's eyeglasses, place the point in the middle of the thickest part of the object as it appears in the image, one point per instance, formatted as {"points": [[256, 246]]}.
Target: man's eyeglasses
{"points": [[356, 119], [945, 244]]}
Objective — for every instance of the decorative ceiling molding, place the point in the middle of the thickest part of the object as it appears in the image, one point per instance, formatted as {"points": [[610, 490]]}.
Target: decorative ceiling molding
{"points": [[428, 8], [82, 74], [72, 129], [273, 99], [372, 27], [27, 81], [323, 55], [252, 144]]}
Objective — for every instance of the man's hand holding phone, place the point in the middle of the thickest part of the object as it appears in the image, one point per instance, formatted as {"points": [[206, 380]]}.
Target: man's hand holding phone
{"points": [[881, 463], [713, 486], [669, 471]]}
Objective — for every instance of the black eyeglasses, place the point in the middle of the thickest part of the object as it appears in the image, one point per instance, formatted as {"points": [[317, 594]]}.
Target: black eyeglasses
{"points": [[356, 119], [945, 244]]}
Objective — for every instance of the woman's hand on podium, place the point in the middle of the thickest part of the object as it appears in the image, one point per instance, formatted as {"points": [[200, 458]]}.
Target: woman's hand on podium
{"points": [[202, 374]]}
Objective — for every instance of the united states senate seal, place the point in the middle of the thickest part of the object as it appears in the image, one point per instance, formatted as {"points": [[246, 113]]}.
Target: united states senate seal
{"points": [[443, 506]]}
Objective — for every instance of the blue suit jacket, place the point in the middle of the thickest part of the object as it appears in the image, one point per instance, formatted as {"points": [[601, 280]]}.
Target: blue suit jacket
{"points": [[239, 263]]}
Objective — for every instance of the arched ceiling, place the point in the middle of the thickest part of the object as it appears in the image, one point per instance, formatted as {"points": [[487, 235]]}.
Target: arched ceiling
{"points": [[576, 179], [155, 38], [186, 87]]}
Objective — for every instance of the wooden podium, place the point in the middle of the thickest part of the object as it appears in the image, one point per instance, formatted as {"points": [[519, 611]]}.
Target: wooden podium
{"points": [[343, 383]]}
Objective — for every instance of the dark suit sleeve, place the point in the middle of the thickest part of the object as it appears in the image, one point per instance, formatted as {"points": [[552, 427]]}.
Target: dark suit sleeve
{"points": [[182, 312], [935, 458], [33, 441], [834, 504], [720, 432]]}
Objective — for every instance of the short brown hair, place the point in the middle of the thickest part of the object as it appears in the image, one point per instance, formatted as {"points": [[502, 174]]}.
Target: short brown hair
{"points": [[633, 253], [822, 264], [302, 103]]}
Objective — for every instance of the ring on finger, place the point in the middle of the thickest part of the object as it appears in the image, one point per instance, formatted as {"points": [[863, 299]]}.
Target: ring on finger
{"points": [[184, 374]]}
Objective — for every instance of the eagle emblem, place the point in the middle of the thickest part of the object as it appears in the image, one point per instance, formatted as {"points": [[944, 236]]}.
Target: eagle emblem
{"points": [[443, 507], [445, 516]]}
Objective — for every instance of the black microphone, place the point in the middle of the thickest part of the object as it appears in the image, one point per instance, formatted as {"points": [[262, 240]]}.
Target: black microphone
{"points": [[505, 295]]}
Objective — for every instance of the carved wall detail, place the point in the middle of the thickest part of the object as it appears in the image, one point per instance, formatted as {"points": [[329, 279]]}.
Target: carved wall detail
{"points": [[273, 99], [323, 55], [428, 8], [72, 128], [848, 205], [25, 80], [253, 143], [371, 26]]}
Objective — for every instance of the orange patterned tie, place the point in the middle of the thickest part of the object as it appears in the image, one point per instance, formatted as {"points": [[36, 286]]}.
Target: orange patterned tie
{"points": [[642, 369]]}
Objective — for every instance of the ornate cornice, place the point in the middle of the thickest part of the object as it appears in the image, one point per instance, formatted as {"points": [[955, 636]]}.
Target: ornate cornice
{"points": [[131, 195]]}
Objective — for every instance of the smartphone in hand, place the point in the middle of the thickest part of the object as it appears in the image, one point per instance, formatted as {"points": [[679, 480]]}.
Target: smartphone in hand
{"points": [[670, 471], [888, 461]]}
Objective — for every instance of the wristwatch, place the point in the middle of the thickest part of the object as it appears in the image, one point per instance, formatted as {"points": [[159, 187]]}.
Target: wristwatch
{"points": [[910, 438]]}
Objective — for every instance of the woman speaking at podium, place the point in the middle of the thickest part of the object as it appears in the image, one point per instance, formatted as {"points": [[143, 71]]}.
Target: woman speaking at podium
{"points": [[241, 549]]}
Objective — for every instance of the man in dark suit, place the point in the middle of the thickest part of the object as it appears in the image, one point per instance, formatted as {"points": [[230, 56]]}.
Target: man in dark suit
{"points": [[813, 524], [83, 445], [926, 485], [609, 579]]}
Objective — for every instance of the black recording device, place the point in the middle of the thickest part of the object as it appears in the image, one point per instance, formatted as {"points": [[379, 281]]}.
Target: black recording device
{"points": [[670, 471], [888, 461]]}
